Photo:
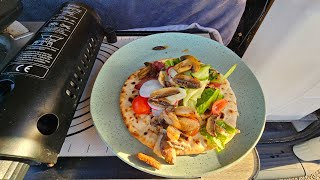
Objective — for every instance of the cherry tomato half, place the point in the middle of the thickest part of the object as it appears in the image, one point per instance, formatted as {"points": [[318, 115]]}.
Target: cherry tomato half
{"points": [[214, 85], [218, 106], [140, 105]]}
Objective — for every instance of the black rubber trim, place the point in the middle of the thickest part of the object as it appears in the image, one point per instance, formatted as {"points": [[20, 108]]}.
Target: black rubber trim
{"points": [[311, 131]]}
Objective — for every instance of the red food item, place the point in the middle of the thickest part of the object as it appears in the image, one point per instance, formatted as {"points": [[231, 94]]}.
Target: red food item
{"points": [[218, 106], [214, 85], [167, 70], [138, 86], [140, 105], [155, 69], [158, 65]]}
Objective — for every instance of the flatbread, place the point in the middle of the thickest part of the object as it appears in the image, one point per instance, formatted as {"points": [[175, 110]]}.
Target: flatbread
{"points": [[141, 128]]}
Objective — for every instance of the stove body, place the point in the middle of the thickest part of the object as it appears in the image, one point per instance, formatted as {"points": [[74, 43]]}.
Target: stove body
{"points": [[41, 86]]}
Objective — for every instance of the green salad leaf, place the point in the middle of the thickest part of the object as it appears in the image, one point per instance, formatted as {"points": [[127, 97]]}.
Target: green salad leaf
{"points": [[214, 76], [221, 96], [207, 98], [227, 127], [194, 94], [172, 62], [229, 72], [219, 141], [212, 141]]}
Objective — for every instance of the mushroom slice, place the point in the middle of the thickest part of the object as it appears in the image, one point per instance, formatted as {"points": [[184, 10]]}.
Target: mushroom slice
{"points": [[206, 114], [162, 78], [161, 102], [183, 66], [149, 71], [177, 97], [170, 118], [144, 72], [193, 61], [164, 92], [156, 148], [186, 81], [211, 126]]}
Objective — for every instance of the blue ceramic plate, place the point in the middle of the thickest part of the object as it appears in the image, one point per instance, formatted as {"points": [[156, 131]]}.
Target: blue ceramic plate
{"points": [[108, 120]]}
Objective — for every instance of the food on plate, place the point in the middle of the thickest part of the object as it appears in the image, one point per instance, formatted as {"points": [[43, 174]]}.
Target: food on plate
{"points": [[179, 106], [149, 160]]}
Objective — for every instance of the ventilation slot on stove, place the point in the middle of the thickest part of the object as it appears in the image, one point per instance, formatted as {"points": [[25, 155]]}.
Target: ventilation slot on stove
{"points": [[93, 41], [77, 77], [74, 85], [86, 58], [82, 69], [84, 64], [73, 88], [89, 52], [70, 94], [88, 55]]}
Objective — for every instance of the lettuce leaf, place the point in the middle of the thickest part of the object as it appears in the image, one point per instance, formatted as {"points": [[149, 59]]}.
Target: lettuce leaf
{"points": [[207, 93], [213, 142], [221, 96], [215, 77], [207, 98], [218, 142], [172, 62], [229, 129], [193, 94], [229, 72], [190, 93]]}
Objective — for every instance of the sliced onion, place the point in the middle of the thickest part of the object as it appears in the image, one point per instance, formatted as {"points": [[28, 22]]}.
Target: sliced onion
{"points": [[167, 70], [156, 112], [170, 79], [148, 87], [171, 72]]}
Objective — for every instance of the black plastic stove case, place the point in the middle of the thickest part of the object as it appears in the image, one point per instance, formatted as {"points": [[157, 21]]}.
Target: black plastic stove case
{"points": [[41, 86]]}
